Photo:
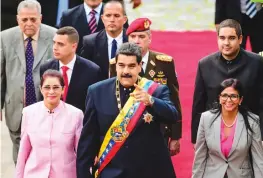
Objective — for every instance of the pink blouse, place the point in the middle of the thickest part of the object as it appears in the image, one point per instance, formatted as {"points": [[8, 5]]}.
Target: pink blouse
{"points": [[226, 142]]}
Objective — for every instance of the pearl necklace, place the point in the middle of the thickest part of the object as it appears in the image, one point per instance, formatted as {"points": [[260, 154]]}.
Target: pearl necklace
{"points": [[229, 126]]}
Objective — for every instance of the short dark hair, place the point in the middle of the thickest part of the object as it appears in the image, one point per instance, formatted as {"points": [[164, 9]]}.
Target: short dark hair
{"points": [[116, 1], [130, 49], [72, 33], [232, 24], [52, 73]]}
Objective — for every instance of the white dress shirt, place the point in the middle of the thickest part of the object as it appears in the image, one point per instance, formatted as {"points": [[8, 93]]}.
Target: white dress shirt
{"points": [[70, 65], [119, 40], [145, 59], [88, 10]]}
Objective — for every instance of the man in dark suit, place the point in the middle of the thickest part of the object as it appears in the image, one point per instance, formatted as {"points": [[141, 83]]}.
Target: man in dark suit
{"points": [[81, 17], [122, 124], [100, 47], [78, 73], [230, 61], [248, 14], [159, 68], [50, 9]]}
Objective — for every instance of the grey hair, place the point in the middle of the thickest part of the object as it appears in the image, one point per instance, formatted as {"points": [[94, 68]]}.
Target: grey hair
{"points": [[130, 49], [31, 4]]}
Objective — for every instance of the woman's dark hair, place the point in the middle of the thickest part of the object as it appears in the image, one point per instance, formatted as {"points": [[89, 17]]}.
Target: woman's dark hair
{"points": [[217, 108], [52, 73]]}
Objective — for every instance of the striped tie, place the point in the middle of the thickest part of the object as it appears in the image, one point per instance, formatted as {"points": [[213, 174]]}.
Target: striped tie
{"points": [[92, 22], [251, 9]]}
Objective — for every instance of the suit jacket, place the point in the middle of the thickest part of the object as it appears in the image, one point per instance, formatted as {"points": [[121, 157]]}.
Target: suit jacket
{"points": [[95, 48], [162, 72], [13, 70], [50, 10], [48, 141], [144, 153], [209, 160], [85, 73], [226, 9], [76, 17], [212, 70]]}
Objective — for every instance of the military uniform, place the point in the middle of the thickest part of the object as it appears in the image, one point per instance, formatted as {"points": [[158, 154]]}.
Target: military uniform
{"points": [[160, 68]]}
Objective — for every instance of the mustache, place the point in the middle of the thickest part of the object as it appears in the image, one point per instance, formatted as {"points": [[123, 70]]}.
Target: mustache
{"points": [[126, 76]]}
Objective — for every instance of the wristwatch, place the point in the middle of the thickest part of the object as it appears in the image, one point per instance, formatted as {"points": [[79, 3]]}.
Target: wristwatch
{"points": [[151, 100]]}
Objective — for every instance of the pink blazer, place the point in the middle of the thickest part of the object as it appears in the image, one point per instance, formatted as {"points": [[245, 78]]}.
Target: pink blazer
{"points": [[49, 141]]}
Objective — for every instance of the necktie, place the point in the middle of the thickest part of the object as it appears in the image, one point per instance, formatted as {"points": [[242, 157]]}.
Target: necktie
{"points": [[113, 48], [142, 71], [251, 9], [65, 77], [30, 88], [92, 22], [62, 6]]}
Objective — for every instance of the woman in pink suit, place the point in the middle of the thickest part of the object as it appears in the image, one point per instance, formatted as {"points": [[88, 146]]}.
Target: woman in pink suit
{"points": [[50, 134]]}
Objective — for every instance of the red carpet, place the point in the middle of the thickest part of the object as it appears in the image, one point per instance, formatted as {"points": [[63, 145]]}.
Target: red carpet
{"points": [[187, 48]]}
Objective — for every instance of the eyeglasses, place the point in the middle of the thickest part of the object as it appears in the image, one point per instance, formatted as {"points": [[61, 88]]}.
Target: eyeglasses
{"points": [[32, 19], [233, 97], [54, 88]]}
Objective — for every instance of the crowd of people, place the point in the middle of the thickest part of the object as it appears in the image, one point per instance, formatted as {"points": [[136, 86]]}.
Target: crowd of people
{"points": [[89, 98]]}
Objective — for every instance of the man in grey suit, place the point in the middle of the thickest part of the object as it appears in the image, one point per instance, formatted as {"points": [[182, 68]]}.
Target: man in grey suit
{"points": [[23, 49]]}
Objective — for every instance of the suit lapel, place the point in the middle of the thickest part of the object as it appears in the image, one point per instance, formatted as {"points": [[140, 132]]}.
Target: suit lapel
{"points": [[82, 21], [217, 133], [151, 65], [100, 23], [20, 48], [238, 132], [42, 46]]}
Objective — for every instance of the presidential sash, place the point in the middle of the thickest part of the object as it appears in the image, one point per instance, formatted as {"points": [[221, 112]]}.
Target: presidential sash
{"points": [[122, 126]]}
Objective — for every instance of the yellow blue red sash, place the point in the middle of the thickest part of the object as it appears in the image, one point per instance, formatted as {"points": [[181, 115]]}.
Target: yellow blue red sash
{"points": [[122, 126]]}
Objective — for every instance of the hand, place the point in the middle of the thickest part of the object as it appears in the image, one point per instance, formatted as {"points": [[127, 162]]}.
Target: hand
{"points": [[174, 147], [140, 95], [136, 3]]}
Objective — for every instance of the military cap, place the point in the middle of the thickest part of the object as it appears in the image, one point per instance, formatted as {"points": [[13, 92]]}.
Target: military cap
{"points": [[139, 25]]}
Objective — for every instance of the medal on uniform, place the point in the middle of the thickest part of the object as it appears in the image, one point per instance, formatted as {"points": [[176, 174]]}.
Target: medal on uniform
{"points": [[151, 73], [148, 118]]}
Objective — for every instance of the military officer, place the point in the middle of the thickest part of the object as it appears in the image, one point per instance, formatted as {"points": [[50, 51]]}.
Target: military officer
{"points": [[159, 68]]}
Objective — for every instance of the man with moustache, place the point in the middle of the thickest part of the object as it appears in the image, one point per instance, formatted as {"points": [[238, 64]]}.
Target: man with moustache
{"points": [[122, 124], [78, 73], [159, 68], [23, 49], [229, 61], [100, 47]]}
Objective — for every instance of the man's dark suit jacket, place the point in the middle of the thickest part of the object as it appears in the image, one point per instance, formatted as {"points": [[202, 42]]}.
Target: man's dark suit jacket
{"points": [[85, 73], [95, 48], [49, 10], [212, 70], [231, 9], [164, 73], [144, 154]]}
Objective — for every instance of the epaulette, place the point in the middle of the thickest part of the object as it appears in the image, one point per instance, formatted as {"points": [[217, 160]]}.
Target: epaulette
{"points": [[162, 57], [261, 53], [113, 61]]}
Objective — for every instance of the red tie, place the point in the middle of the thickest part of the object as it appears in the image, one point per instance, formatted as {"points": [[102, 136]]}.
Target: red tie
{"points": [[65, 77], [92, 22]]}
